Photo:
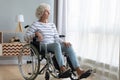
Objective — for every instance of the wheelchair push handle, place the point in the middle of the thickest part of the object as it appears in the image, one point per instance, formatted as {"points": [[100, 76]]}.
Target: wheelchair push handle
{"points": [[26, 26]]}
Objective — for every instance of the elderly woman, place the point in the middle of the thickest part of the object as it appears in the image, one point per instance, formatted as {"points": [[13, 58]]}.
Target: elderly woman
{"points": [[47, 34]]}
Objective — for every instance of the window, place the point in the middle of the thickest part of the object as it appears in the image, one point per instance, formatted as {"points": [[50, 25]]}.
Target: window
{"points": [[93, 28]]}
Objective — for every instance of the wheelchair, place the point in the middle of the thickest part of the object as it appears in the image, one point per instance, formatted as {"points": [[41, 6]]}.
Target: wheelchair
{"points": [[30, 64]]}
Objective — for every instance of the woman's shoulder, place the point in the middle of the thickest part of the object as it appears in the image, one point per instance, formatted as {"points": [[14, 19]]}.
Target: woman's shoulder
{"points": [[37, 24], [51, 24], [40, 24]]}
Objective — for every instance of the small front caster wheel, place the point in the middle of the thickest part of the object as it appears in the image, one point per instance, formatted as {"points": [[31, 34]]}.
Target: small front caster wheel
{"points": [[47, 75]]}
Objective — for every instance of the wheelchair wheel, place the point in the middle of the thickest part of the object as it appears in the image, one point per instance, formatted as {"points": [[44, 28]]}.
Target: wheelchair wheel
{"points": [[29, 62]]}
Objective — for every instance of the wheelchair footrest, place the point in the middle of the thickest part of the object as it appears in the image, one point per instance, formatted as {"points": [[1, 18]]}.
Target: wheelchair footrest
{"points": [[65, 74]]}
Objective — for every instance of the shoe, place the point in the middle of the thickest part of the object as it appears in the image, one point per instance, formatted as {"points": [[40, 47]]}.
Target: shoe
{"points": [[85, 74], [65, 74]]}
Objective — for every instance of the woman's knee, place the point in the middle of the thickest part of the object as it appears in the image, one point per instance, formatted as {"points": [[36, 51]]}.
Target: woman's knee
{"points": [[56, 45]]}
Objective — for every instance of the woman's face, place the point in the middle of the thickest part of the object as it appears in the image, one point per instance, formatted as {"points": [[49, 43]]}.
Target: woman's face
{"points": [[46, 14]]}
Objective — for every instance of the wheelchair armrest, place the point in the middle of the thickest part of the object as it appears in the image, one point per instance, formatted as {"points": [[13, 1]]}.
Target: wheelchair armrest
{"points": [[35, 38], [61, 36]]}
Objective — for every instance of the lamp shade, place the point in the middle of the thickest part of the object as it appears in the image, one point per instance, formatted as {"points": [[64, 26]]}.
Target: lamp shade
{"points": [[20, 18]]}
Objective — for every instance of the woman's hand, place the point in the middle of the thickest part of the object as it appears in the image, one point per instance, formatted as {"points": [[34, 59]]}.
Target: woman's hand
{"points": [[39, 35], [67, 44]]}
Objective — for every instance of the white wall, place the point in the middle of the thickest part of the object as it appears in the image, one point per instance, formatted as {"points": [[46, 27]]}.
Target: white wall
{"points": [[10, 8]]}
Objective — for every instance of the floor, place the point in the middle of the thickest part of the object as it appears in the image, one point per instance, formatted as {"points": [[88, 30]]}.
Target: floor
{"points": [[11, 72]]}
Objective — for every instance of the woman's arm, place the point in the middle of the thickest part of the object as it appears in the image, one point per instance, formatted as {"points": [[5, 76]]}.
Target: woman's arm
{"points": [[30, 33], [39, 35], [56, 35], [57, 38]]}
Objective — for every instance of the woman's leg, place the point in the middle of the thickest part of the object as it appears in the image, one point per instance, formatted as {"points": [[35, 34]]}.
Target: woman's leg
{"points": [[56, 48], [70, 52]]}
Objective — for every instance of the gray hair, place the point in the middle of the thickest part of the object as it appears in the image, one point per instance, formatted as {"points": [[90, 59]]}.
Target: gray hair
{"points": [[41, 8]]}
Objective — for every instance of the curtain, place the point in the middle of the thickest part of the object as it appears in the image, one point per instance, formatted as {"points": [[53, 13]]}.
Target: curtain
{"points": [[93, 28], [62, 16]]}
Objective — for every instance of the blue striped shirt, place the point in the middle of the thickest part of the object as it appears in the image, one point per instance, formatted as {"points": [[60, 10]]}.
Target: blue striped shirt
{"points": [[48, 31]]}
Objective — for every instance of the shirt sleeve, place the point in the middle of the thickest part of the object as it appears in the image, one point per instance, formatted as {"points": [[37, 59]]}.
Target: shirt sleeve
{"points": [[30, 33], [56, 35]]}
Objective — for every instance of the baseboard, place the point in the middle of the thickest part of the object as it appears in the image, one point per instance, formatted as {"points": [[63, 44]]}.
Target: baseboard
{"points": [[8, 62], [4, 60]]}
